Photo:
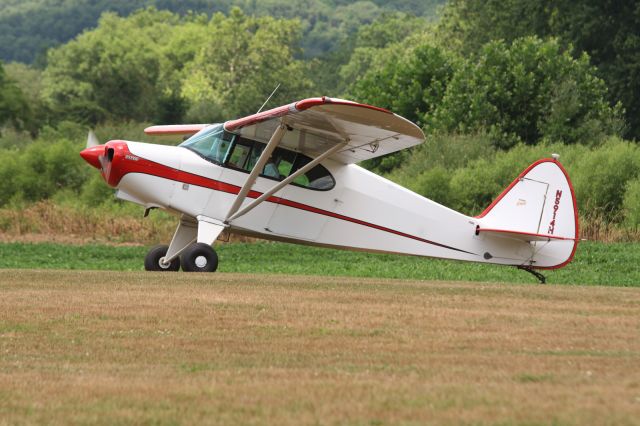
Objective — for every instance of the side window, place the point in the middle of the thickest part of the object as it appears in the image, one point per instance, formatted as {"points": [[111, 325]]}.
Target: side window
{"points": [[317, 178], [280, 164], [238, 157], [246, 152]]}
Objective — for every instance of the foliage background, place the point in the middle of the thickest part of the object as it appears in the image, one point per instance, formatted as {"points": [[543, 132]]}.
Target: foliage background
{"points": [[495, 86]]}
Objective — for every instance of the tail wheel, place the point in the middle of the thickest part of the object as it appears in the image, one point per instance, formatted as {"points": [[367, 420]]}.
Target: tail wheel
{"points": [[154, 260], [199, 257]]}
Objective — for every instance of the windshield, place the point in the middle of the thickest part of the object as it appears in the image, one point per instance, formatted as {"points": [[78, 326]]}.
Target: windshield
{"points": [[212, 143], [215, 144]]}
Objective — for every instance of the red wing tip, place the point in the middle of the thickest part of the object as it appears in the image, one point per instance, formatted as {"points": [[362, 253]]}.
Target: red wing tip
{"points": [[174, 129]]}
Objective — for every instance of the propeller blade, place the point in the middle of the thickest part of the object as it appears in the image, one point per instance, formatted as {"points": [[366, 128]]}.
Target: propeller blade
{"points": [[92, 139]]}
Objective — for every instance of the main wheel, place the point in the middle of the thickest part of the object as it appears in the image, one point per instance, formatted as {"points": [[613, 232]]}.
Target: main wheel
{"points": [[153, 260], [199, 257]]}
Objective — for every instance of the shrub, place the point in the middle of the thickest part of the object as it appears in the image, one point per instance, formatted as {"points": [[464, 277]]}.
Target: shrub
{"points": [[40, 170], [600, 179], [434, 184], [631, 203], [525, 92]]}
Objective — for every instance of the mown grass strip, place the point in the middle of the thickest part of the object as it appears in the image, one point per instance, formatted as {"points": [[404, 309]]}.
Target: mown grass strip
{"points": [[595, 263], [109, 347]]}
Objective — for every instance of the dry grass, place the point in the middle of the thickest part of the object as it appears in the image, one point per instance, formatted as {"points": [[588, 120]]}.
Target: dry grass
{"points": [[47, 221], [598, 229], [106, 347]]}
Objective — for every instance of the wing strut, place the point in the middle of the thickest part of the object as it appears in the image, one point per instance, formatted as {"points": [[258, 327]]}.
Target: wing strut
{"points": [[287, 181], [266, 153]]}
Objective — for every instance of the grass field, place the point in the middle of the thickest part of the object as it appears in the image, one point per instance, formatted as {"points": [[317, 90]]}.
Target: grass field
{"points": [[595, 263], [154, 348]]}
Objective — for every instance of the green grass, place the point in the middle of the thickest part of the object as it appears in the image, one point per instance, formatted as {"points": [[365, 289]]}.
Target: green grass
{"points": [[613, 264]]}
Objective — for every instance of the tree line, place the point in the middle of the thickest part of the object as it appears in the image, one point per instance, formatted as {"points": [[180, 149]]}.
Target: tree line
{"points": [[498, 81]]}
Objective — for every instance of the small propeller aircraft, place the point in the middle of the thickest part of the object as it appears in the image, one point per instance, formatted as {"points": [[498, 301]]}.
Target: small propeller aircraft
{"points": [[289, 174]]}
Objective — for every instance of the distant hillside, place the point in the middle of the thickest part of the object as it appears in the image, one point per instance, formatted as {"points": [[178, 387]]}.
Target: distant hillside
{"points": [[29, 27]]}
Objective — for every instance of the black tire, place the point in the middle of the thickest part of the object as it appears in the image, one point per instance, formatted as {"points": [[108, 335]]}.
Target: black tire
{"points": [[152, 260], [199, 257]]}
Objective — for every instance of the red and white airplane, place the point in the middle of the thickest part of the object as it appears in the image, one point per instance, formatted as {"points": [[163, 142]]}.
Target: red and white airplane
{"points": [[289, 174]]}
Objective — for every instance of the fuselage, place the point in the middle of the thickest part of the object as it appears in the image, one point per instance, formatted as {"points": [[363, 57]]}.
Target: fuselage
{"points": [[361, 211]]}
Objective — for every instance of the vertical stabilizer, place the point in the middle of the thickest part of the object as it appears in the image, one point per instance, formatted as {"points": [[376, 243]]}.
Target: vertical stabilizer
{"points": [[539, 207]]}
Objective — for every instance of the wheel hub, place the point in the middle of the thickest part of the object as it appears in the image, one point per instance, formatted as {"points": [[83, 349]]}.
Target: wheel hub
{"points": [[201, 261], [163, 263]]}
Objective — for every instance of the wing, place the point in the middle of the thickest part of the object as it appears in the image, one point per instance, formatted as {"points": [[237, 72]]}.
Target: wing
{"points": [[317, 124], [175, 129]]}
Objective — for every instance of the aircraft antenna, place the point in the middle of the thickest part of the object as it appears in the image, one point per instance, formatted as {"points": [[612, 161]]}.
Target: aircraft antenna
{"points": [[272, 93]]}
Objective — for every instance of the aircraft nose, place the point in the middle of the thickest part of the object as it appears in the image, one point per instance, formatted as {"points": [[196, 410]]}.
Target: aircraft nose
{"points": [[92, 155]]}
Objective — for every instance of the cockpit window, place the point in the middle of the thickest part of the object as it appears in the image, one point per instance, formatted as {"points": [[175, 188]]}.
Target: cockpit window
{"points": [[212, 143], [239, 153]]}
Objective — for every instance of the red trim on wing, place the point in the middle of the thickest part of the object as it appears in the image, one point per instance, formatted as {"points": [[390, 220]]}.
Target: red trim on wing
{"points": [[311, 102], [232, 125], [292, 108], [174, 129], [124, 162], [573, 197]]}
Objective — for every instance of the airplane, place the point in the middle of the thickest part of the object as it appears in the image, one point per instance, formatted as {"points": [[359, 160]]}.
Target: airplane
{"points": [[290, 174]]}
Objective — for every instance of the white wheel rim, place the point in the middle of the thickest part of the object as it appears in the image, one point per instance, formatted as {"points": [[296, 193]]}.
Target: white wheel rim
{"points": [[163, 264], [201, 261]]}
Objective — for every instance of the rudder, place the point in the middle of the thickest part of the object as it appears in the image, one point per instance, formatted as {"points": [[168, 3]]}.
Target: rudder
{"points": [[538, 207]]}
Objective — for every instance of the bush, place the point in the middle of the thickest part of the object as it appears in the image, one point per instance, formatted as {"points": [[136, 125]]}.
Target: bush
{"points": [[600, 179], [631, 203], [40, 170], [434, 184], [448, 151], [526, 92], [474, 187], [411, 84]]}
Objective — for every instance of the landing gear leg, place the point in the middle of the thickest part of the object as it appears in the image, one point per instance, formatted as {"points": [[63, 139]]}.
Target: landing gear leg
{"points": [[165, 258], [190, 247], [200, 256], [538, 275]]}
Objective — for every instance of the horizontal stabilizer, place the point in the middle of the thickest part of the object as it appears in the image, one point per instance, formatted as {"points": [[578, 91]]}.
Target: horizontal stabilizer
{"points": [[175, 129], [522, 236]]}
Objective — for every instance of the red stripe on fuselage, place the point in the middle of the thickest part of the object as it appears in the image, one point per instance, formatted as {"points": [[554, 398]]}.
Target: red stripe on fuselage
{"points": [[144, 166]]}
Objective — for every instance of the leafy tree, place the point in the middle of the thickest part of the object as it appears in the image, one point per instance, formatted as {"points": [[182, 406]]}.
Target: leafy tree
{"points": [[29, 27], [116, 71], [13, 105], [605, 29], [378, 44], [525, 92], [242, 60], [410, 83]]}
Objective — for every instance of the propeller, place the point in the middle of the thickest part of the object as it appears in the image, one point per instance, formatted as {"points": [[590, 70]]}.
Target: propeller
{"points": [[92, 139], [92, 152]]}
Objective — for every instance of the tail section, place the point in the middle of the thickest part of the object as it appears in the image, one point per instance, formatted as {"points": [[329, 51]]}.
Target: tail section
{"points": [[538, 208]]}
